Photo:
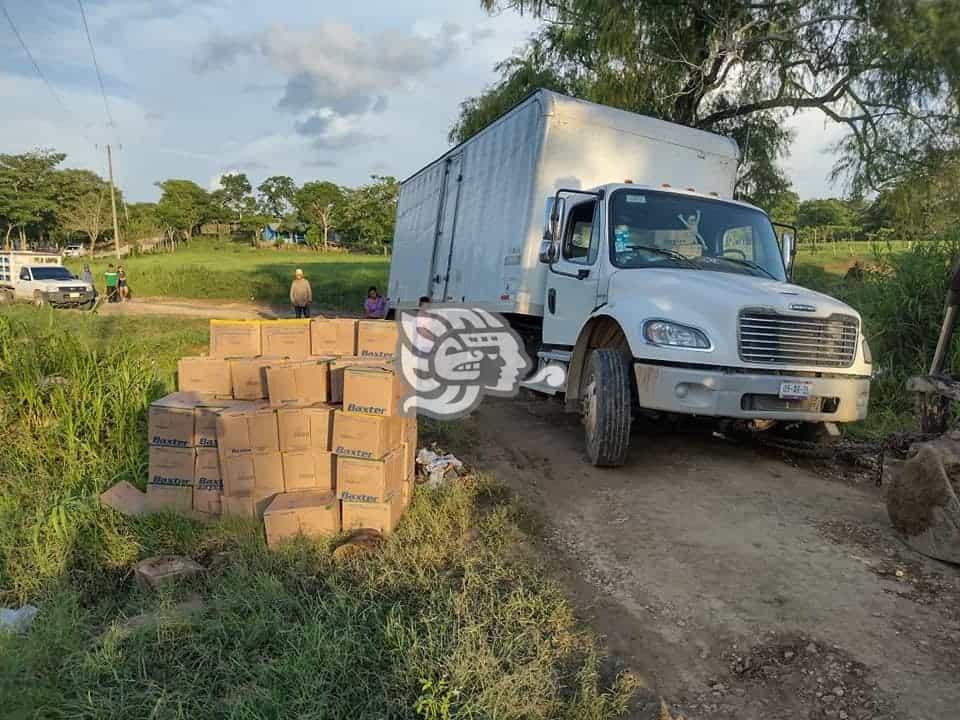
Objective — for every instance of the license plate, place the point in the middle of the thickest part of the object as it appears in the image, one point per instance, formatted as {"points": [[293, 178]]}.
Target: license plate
{"points": [[795, 390], [74, 295]]}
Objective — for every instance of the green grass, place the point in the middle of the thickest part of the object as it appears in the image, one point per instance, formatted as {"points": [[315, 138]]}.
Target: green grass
{"points": [[900, 294], [230, 270], [450, 619]]}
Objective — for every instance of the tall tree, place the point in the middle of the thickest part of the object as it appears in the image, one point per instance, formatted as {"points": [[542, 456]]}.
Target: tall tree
{"points": [[86, 215], [80, 198], [183, 205], [887, 70], [367, 215], [276, 195], [27, 193], [237, 194], [318, 203]]}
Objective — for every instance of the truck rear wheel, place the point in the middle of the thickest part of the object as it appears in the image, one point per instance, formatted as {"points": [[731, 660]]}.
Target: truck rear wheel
{"points": [[605, 407]]}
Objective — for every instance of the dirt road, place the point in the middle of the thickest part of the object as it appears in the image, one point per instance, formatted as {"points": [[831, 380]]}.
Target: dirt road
{"points": [[736, 584], [194, 308]]}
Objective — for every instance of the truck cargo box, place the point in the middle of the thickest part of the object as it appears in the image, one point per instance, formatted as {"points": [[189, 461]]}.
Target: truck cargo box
{"points": [[469, 225]]}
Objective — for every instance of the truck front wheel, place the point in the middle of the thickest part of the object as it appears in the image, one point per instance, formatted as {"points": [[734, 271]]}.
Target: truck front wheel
{"points": [[605, 407], [39, 300]]}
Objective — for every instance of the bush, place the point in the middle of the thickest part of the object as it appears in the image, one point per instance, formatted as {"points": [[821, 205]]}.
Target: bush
{"points": [[901, 298]]}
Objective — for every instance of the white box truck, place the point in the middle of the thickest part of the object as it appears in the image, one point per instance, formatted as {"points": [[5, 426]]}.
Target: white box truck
{"points": [[41, 278], [610, 241]]}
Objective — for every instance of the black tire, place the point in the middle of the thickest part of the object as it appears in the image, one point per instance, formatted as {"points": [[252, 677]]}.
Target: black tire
{"points": [[605, 407]]}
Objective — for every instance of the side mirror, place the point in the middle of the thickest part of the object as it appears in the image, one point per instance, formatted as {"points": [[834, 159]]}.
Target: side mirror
{"points": [[548, 251], [551, 218], [787, 249]]}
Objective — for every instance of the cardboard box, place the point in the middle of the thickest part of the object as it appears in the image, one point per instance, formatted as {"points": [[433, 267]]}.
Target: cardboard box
{"points": [[366, 436], [337, 368], [239, 506], [333, 336], [170, 479], [170, 420], [204, 375], [382, 516], [205, 421], [300, 381], [234, 338], [208, 485], [372, 390], [285, 338], [247, 428], [309, 470], [250, 376], [260, 476], [369, 480], [378, 339], [313, 514], [306, 427]]}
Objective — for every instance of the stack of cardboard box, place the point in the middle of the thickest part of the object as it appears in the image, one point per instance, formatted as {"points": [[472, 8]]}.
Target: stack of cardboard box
{"points": [[296, 422]]}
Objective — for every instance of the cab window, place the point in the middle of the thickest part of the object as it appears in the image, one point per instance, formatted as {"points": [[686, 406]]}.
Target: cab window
{"points": [[738, 242], [581, 240]]}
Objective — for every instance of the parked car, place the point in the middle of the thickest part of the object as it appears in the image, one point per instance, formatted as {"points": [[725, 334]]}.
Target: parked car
{"points": [[74, 251], [612, 244], [42, 279]]}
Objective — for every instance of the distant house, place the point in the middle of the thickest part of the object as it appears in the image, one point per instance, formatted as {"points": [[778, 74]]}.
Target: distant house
{"points": [[273, 233]]}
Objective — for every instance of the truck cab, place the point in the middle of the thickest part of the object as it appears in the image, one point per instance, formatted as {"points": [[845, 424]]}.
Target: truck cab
{"points": [[52, 285], [689, 295]]}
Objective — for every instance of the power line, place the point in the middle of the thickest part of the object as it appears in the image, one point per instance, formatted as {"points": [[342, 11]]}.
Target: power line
{"points": [[96, 65], [56, 95]]}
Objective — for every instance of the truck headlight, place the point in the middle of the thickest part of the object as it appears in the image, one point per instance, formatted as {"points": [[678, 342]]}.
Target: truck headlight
{"points": [[867, 355], [670, 334]]}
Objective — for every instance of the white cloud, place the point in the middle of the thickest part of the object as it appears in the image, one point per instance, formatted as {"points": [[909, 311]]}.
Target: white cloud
{"points": [[811, 159]]}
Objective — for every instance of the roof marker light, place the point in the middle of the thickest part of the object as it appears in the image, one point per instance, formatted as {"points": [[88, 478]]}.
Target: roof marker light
{"points": [[628, 181], [666, 185]]}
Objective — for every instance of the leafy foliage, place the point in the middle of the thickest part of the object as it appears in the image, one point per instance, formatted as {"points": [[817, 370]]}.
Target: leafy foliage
{"points": [[183, 205], [276, 195], [886, 70]]}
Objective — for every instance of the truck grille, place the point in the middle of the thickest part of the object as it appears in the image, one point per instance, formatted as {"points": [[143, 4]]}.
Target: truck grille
{"points": [[764, 336]]}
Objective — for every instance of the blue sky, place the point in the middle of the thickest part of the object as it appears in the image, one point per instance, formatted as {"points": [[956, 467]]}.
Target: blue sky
{"points": [[315, 90]]}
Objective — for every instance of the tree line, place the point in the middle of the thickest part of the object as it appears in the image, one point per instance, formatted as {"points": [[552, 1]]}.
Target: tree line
{"points": [[45, 205], [887, 71]]}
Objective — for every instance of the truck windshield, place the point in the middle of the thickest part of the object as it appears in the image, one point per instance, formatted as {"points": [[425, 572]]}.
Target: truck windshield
{"points": [[51, 273], [652, 228]]}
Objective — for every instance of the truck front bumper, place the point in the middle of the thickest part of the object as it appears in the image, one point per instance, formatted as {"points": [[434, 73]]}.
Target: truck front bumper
{"points": [[735, 393], [62, 299]]}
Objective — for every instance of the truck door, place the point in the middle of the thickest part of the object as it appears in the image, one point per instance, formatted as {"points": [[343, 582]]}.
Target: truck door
{"points": [[24, 286], [573, 280], [446, 228]]}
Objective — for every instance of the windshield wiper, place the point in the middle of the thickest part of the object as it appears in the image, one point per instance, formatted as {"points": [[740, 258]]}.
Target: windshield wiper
{"points": [[750, 264], [672, 254]]}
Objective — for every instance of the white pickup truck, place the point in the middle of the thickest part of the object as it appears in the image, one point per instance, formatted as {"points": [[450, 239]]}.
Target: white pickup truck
{"points": [[42, 279], [611, 243]]}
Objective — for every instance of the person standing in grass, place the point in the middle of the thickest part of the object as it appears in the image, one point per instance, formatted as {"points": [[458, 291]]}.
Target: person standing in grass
{"points": [[301, 294], [122, 286], [112, 279], [375, 306], [86, 275]]}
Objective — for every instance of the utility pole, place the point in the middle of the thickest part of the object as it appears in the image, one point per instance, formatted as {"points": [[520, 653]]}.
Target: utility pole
{"points": [[113, 203]]}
